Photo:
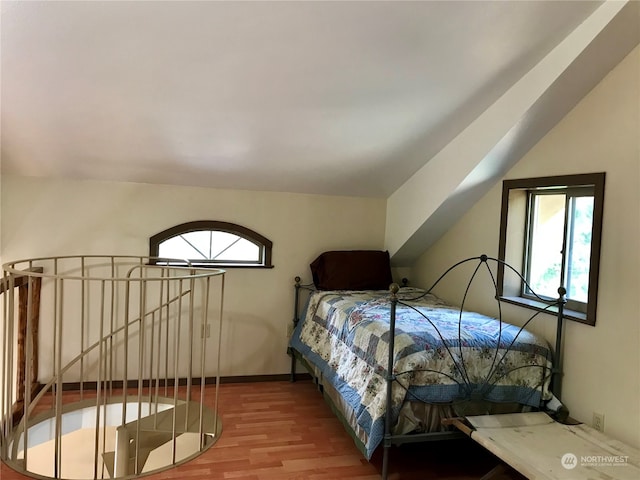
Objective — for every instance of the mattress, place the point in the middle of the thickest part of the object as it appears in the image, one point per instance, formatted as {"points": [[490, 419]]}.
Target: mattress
{"points": [[443, 357]]}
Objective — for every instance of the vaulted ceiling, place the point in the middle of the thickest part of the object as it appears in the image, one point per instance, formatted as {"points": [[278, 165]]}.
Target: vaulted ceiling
{"points": [[336, 97]]}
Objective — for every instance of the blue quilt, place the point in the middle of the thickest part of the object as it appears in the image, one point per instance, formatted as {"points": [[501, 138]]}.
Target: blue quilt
{"points": [[441, 354]]}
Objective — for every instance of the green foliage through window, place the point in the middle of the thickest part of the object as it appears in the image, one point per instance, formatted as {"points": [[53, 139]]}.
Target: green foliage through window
{"points": [[551, 227]]}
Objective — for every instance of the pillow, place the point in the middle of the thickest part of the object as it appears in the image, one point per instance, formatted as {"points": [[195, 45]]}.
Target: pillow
{"points": [[352, 270]]}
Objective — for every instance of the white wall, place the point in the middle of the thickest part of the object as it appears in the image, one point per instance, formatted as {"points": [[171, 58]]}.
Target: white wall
{"points": [[602, 363], [47, 217]]}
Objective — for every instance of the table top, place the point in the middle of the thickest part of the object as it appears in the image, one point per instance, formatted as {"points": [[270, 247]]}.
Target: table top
{"points": [[540, 448]]}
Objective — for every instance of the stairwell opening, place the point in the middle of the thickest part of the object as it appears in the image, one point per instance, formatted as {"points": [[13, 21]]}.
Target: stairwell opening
{"points": [[102, 365]]}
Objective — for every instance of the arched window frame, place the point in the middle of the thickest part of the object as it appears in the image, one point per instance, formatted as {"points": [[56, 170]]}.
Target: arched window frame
{"points": [[262, 242]]}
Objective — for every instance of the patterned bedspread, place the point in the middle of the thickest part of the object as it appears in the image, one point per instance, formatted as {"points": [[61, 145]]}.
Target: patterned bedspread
{"points": [[448, 355]]}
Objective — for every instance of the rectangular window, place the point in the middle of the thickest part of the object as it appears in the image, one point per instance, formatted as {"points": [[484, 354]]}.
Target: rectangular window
{"points": [[558, 244], [550, 231]]}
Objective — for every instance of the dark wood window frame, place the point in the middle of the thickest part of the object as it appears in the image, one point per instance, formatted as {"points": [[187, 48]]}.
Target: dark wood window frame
{"points": [[264, 243], [513, 295]]}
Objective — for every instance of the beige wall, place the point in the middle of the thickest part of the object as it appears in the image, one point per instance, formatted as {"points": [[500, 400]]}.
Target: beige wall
{"points": [[1, 210], [602, 363], [45, 217]]}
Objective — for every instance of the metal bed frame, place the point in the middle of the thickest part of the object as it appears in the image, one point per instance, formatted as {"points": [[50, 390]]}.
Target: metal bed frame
{"points": [[474, 396]]}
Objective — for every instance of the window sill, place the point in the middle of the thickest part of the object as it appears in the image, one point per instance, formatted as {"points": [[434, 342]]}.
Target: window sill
{"points": [[208, 265], [545, 308]]}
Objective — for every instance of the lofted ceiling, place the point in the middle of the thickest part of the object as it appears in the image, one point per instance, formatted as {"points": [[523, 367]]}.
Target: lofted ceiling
{"points": [[336, 97]]}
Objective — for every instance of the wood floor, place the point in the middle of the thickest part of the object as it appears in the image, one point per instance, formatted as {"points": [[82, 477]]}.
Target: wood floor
{"points": [[284, 431]]}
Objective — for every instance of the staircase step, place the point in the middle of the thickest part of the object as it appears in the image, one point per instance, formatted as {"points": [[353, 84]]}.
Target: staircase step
{"points": [[157, 429], [149, 441], [187, 419]]}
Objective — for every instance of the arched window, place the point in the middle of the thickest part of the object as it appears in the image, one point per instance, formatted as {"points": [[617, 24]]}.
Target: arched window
{"points": [[211, 243]]}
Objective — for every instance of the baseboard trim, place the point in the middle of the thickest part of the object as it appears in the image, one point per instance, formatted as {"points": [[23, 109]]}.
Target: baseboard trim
{"points": [[77, 386]]}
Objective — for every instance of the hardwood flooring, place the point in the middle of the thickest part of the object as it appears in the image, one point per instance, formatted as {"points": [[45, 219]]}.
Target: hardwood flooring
{"points": [[285, 431]]}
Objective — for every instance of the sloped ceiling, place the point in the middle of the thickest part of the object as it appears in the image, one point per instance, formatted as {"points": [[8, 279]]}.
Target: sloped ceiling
{"points": [[468, 166], [337, 98]]}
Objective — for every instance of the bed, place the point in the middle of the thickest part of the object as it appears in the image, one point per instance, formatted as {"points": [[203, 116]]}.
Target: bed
{"points": [[394, 361]]}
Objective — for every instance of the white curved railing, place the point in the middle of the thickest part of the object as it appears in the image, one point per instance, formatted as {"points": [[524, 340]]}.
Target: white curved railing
{"points": [[128, 342]]}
